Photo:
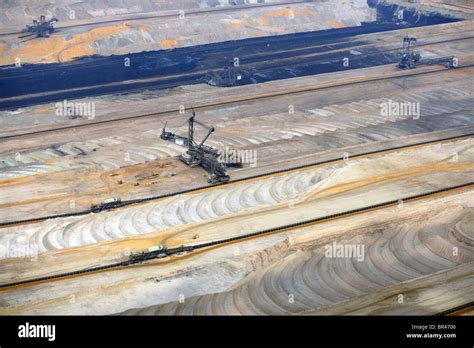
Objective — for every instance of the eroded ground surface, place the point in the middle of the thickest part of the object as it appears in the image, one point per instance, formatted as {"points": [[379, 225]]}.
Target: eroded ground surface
{"points": [[128, 159], [168, 28], [422, 249], [428, 241]]}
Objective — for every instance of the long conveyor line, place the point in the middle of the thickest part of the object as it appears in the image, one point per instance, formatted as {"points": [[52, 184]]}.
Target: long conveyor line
{"points": [[151, 255], [243, 180]]}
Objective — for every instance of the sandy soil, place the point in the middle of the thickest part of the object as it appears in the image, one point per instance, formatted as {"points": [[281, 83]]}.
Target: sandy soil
{"points": [[423, 245], [422, 250], [196, 28]]}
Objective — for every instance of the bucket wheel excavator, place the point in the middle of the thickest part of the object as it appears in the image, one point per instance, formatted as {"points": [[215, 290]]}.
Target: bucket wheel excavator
{"points": [[40, 28], [198, 154]]}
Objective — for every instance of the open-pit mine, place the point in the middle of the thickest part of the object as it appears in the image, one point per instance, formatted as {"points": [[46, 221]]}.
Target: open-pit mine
{"points": [[214, 157]]}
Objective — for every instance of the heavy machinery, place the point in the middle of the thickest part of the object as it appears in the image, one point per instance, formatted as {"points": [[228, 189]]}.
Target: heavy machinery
{"points": [[155, 252], [40, 28], [106, 205], [410, 59], [199, 154], [232, 75]]}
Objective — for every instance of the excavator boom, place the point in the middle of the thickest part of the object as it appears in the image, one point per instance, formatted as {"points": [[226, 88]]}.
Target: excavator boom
{"points": [[199, 154]]}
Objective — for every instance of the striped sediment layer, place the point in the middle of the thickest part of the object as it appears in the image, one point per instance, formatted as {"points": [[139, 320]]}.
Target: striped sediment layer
{"points": [[310, 185], [321, 129], [308, 278], [171, 32]]}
